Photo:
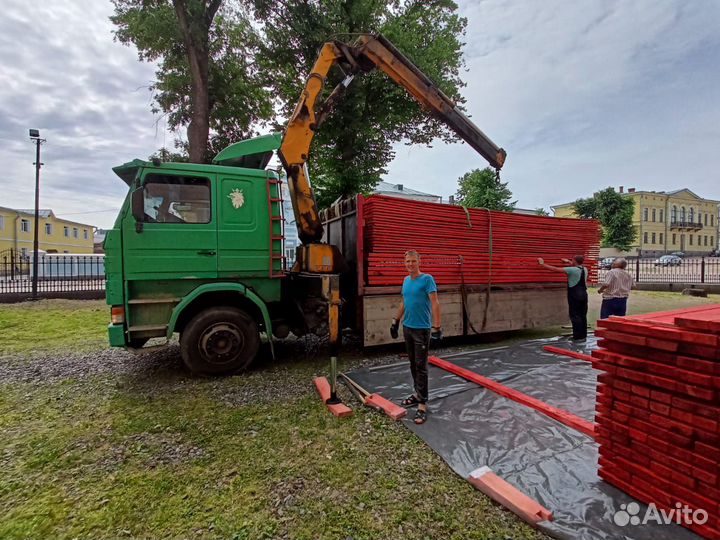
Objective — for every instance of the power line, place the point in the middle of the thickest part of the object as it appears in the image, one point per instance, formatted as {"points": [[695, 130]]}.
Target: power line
{"points": [[92, 212]]}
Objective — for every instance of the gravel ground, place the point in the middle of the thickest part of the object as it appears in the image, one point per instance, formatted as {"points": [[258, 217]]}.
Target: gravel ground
{"points": [[285, 377]]}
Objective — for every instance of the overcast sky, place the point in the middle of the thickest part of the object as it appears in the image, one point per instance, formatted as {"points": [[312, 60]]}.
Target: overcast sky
{"points": [[582, 95]]}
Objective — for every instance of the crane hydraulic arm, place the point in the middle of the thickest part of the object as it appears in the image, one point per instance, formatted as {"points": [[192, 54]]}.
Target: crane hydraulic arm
{"points": [[367, 53]]}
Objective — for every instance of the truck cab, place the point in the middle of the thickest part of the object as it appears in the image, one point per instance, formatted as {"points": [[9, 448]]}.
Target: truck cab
{"points": [[198, 250]]}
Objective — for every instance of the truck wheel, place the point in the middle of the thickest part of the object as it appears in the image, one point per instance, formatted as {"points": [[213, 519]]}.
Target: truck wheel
{"points": [[219, 340]]}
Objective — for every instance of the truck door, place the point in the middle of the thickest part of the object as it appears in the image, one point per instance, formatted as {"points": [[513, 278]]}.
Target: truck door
{"points": [[243, 225], [178, 237]]}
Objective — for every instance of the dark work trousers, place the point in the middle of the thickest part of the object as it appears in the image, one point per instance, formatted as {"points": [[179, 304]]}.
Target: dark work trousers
{"points": [[417, 343], [578, 307], [613, 306]]}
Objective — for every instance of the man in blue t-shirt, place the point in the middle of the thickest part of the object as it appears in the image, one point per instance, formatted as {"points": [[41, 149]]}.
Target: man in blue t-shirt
{"points": [[419, 305]]}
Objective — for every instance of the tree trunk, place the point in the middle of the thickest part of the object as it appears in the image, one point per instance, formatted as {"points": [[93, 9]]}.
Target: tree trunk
{"points": [[195, 27]]}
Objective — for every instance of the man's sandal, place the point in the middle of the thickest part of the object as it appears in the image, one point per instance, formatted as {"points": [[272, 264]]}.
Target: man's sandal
{"points": [[410, 401], [420, 416]]}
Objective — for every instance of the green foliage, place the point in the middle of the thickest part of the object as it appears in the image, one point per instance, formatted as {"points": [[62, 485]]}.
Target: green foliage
{"points": [[355, 144], [483, 189], [237, 97], [615, 214], [541, 212]]}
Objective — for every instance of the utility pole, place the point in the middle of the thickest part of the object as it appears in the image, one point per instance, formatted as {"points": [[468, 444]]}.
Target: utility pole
{"points": [[35, 136]]}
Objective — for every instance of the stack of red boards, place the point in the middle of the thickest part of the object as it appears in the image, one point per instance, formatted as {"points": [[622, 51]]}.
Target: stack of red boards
{"points": [[658, 411], [470, 245]]}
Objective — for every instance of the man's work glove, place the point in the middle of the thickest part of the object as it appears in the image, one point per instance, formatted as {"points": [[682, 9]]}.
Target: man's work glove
{"points": [[394, 329], [436, 334]]}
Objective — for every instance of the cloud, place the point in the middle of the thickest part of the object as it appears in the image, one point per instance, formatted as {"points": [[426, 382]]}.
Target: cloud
{"points": [[582, 95], [87, 94]]}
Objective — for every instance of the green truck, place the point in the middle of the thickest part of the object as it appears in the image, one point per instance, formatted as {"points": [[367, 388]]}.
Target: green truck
{"points": [[197, 249]]}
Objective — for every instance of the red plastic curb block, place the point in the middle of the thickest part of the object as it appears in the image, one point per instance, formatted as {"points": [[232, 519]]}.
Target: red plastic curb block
{"points": [[323, 387], [564, 417], [509, 496], [394, 411]]}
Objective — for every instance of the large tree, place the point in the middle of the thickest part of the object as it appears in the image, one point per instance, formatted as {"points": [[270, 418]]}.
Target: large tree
{"points": [[615, 213], [482, 188], [206, 79], [352, 149]]}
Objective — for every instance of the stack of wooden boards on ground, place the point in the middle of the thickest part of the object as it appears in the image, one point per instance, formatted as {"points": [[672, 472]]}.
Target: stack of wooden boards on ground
{"points": [[470, 245], [658, 409]]}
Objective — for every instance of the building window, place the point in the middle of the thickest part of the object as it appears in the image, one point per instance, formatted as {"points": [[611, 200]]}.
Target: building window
{"points": [[705, 240], [2, 222], [712, 241], [712, 220], [24, 253], [690, 236], [653, 214], [66, 232], [682, 213], [75, 232], [645, 238], [85, 234], [674, 239], [706, 220], [24, 225], [661, 238], [691, 215], [673, 214], [645, 214], [661, 215], [48, 228], [653, 238]]}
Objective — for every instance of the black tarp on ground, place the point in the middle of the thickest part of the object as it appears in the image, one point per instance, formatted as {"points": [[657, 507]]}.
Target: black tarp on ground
{"points": [[471, 427]]}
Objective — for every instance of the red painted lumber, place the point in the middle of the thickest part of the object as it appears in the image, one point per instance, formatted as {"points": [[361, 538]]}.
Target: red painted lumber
{"points": [[509, 496], [566, 352], [323, 387], [477, 246], [704, 321], [393, 410], [562, 416]]}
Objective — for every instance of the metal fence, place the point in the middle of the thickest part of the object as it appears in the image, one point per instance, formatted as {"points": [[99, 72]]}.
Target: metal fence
{"points": [[58, 274], [696, 270]]}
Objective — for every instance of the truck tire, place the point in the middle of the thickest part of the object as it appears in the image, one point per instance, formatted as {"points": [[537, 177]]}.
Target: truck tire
{"points": [[219, 340]]}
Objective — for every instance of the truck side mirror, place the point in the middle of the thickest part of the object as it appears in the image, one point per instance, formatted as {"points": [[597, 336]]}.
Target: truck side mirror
{"points": [[138, 209]]}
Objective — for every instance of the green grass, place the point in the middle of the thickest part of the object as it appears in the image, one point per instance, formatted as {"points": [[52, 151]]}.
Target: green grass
{"points": [[86, 459], [167, 455], [57, 325]]}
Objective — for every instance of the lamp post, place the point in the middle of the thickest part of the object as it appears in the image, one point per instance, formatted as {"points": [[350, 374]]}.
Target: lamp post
{"points": [[35, 136]]}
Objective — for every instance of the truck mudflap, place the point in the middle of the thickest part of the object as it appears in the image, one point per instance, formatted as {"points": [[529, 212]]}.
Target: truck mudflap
{"points": [[116, 335]]}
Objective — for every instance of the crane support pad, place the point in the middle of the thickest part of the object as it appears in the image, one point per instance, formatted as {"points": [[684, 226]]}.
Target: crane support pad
{"points": [[323, 387]]}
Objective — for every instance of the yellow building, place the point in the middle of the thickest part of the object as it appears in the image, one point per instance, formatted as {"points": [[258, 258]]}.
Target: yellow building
{"points": [[55, 235], [668, 221]]}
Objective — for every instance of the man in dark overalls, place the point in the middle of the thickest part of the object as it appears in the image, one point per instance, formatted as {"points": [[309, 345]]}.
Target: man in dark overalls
{"points": [[577, 293]]}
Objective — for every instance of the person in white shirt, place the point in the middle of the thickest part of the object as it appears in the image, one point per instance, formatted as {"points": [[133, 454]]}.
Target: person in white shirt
{"points": [[616, 289]]}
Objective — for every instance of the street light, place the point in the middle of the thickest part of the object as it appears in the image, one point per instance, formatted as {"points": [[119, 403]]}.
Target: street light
{"points": [[35, 136]]}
